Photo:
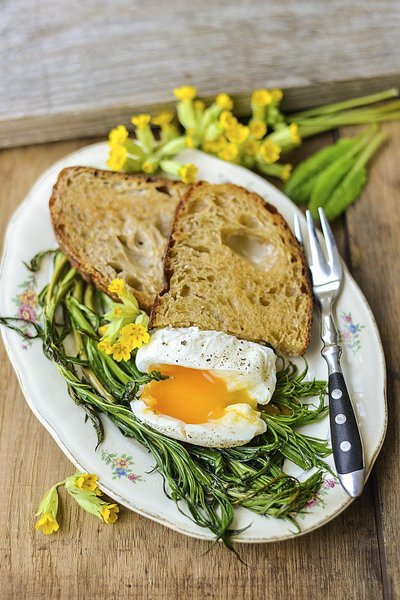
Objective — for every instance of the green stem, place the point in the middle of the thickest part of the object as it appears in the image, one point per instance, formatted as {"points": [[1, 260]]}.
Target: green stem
{"points": [[370, 150], [344, 105]]}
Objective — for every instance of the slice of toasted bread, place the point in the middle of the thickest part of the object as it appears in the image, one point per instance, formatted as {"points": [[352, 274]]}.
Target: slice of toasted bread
{"points": [[115, 225], [233, 265]]}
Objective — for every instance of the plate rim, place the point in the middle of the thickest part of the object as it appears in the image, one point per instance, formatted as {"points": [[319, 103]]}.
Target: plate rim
{"points": [[53, 168]]}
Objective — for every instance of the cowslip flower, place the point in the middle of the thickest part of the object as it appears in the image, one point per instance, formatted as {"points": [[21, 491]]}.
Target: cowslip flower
{"points": [[294, 133], [149, 166], [185, 93], [224, 101], [276, 94], [269, 151], [237, 134], [261, 97], [257, 129], [227, 120], [141, 121], [134, 335], [117, 158], [109, 512], [215, 145], [250, 147], [87, 482], [188, 173], [229, 152], [163, 118], [48, 509], [105, 346], [286, 172], [190, 142], [199, 106], [121, 352], [117, 136], [117, 286], [286, 137], [47, 523]]}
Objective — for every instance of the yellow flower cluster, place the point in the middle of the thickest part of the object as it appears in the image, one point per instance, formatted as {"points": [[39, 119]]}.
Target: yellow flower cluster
{"points": [[126, 330], [83, 487], [257, 144]]}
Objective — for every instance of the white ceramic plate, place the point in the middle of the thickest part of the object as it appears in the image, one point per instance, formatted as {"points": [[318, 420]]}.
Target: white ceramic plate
{"points": [[123, 466]]}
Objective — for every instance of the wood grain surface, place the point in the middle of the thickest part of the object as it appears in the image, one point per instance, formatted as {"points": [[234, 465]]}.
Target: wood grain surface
{"points": [[76, 68], [356, 556]]}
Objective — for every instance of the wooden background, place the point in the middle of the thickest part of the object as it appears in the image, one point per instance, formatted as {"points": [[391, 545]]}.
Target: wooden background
{"points": [[76, 68], [354, 557]]}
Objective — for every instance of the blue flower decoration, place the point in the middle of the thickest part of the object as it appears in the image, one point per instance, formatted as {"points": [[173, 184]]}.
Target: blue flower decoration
{"points": [[120, 471]]}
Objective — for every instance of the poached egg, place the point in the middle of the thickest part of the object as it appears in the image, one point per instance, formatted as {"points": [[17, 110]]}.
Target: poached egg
{"points": [[215, 382]]}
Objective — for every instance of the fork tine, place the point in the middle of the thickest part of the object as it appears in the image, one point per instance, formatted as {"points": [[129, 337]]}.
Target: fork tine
{"points": [[297, 230], [317, 257], [331, 248]]}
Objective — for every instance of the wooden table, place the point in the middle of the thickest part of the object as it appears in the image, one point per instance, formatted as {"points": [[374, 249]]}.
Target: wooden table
{"points": [[77, 68], [354, 557]]}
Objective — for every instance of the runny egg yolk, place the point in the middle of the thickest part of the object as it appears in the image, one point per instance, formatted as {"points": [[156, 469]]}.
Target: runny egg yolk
{"points": [[191, 395]]}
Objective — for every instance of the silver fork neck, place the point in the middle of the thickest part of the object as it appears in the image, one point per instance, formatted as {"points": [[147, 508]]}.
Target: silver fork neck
{"points": [[331, 350]]}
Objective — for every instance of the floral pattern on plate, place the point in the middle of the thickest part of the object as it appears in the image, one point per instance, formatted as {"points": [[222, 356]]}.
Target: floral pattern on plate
{"points": [[350, 335], [28, 307], [120, 465]]}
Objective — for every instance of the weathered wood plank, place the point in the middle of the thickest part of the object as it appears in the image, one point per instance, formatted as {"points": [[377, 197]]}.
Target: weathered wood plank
{"points": [[76, 68], [373, 227], [137, 558]]}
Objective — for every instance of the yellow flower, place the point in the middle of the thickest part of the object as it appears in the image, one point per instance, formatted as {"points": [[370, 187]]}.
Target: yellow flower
{"points": [[230, 152], [141, 121], [105, 346], [294, 133], [269, 151], [148, 166], [47, 523], [134, 336], [87, 482], [257, 129], [117, 312], [117, 158], [227, 120], [102, 329], [117, 136], [215, 145], [109, 512], [186, 92], [261, 97], [120, 352], [237, 134], [224, 101], [286, 172], [188, 173], [250, 147], [276, 94], [117, 286], [199, 105], [189, 141], [164, 118]]}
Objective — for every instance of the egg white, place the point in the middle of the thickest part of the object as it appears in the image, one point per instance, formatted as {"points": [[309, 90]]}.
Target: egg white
{"points": [[241, 364]]}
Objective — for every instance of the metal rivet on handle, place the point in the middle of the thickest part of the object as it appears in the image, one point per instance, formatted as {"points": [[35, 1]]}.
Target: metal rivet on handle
{"points": [[340, 419], [336, 394], [345, 446]]}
